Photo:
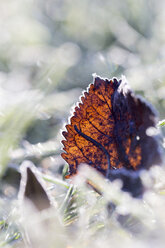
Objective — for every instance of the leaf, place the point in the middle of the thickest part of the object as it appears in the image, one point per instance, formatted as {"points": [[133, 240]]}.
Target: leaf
{"points": [[32, 188], [108, 129]]}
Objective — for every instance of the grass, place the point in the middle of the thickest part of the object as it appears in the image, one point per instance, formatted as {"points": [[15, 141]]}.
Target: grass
{"points": [[80, 217], [48, 53]]}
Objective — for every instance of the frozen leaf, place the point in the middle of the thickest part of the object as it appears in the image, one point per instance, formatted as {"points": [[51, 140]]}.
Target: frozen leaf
{"points": [[108, 129]]}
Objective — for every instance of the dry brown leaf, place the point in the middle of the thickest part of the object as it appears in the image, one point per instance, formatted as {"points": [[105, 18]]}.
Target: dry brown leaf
{"points": [[108, 129]]}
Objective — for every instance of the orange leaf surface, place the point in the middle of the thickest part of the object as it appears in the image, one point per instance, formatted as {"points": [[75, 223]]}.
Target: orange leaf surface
{"points": [[108, 129]]}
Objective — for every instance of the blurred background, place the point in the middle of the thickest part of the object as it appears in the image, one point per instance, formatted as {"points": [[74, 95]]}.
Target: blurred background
{"points": [[48, 53]]}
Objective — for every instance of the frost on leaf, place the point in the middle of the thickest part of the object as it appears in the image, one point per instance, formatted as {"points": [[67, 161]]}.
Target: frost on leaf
{"points": [[32, 188], [108, 129]]}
